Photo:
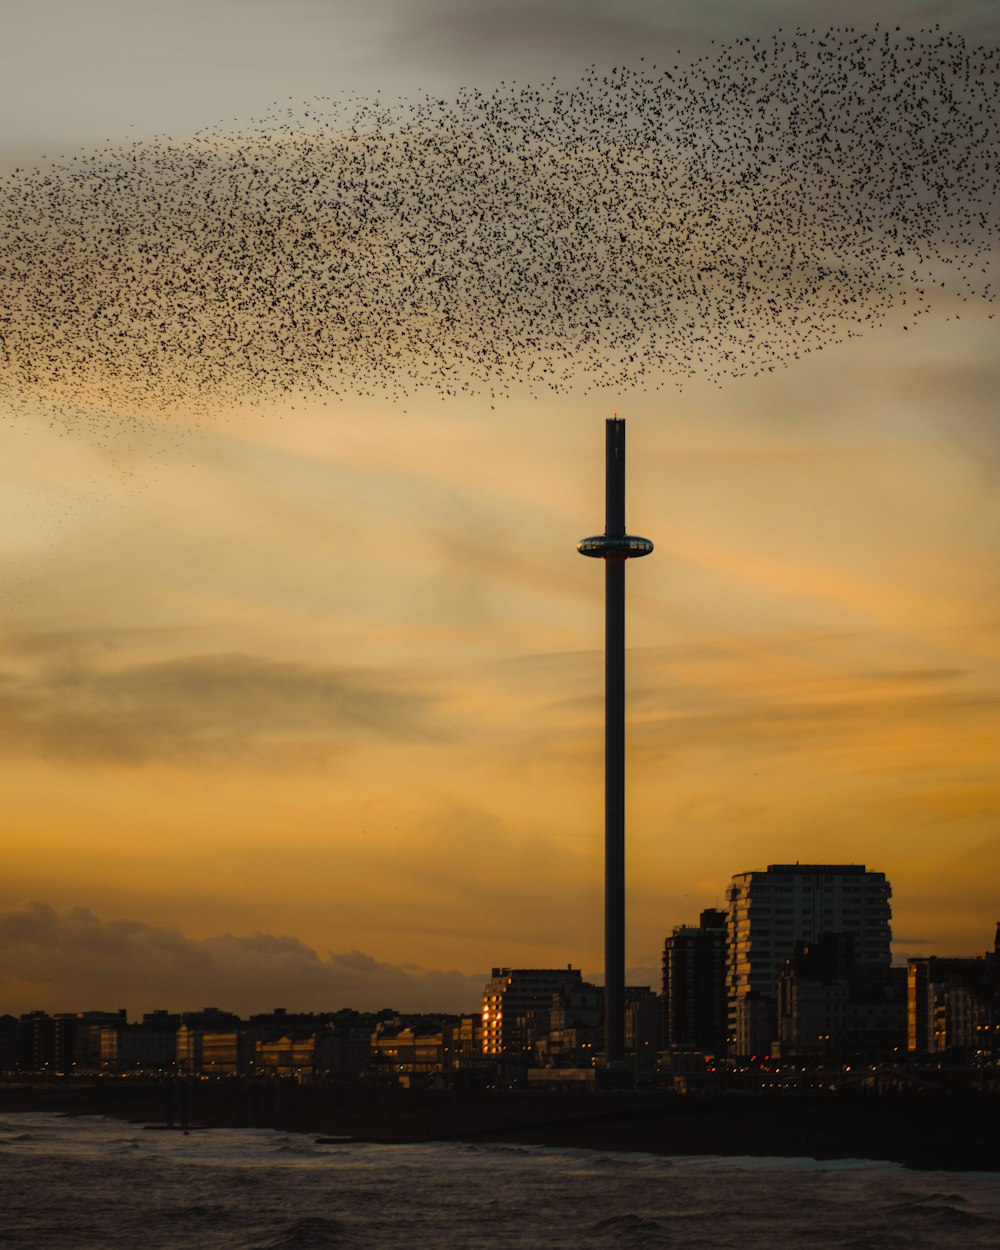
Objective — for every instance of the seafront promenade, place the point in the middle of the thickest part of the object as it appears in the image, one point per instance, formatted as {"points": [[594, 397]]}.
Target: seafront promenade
{"points": [[919, 1130]]}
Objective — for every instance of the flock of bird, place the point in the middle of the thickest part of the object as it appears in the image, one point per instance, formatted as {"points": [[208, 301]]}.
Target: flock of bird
{"points": [[632, 229]]}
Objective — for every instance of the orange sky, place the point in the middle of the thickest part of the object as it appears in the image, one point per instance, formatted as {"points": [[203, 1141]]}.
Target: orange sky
{"points": [[330, 679]]}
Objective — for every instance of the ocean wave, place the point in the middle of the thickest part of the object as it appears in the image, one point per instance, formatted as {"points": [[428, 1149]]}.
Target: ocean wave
{"points": [[232, 1189], [311, 1233], [628, 1224], [949, 1212]]}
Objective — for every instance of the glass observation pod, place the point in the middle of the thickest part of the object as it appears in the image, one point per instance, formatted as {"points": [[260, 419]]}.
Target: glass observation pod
{"points": [[623, 546]]}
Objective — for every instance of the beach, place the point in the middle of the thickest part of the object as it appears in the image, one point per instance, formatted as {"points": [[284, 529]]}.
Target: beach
{"points": [[918, 1130]]}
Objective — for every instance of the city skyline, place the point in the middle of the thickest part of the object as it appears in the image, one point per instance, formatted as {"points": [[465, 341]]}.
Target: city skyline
{"points": [[328, 679]]}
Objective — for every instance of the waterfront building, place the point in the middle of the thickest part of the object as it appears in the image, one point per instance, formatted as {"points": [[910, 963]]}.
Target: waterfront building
{"points": [[227, 1054], [310, 1056], [409, 1051], [953, 1004], [467, 1042], [511, 998], [575, 1032], [10, 1037], [570, 1034], [196, 1026], [694, 986], [66, 1041], [770, 911], [287, 1056], [87, 1038], [832, 1009], [643, 1028], [137, 1047]]}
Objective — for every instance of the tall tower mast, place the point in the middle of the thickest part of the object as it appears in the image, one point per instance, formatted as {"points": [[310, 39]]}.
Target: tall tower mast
{"points": [[614, 547]]}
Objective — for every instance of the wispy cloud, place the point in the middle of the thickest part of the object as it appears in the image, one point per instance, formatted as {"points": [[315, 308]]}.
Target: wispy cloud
{"points": [[201, 710], [796, 691]]}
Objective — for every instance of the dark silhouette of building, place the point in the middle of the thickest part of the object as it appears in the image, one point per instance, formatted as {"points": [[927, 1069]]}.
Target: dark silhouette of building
{"points": [[643, 1029], [207, 1041], [575, 1027], [445, 1044], [953, 1005], [65, 1041], [831, 1009], [694, 986], [769, 912], [149, 1046], [10, 1036]]}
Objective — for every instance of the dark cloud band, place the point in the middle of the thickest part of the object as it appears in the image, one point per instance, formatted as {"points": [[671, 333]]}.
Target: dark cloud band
{"points": [[75, 960]]}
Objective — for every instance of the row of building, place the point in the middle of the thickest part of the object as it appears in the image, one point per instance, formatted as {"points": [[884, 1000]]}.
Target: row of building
{"points": [[324, 1046], [538, 1017]]}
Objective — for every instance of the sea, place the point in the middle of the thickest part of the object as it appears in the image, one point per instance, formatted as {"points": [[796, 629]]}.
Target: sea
{"points": [[90, 1183]]}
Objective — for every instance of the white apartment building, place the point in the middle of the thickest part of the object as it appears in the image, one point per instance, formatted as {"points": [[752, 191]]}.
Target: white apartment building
{"points": [[770, 911]]}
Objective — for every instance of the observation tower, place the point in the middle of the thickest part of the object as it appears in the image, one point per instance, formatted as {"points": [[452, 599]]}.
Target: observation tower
{"points": [[614, 547]]}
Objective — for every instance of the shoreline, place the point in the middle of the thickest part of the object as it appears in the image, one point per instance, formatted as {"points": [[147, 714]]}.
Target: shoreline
{"points": [[920, 1131]]}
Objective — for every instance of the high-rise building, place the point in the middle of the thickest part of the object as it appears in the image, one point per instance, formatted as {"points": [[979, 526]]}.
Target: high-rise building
{"points": [[769, 912], [512, 997], [694, 985]]}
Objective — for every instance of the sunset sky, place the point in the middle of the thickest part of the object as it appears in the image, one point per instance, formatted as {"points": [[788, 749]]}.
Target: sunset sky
{"points": [[303, 706]]}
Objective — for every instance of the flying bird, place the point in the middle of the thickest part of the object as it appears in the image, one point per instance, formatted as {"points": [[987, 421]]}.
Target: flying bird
{"points": [[632, 229]]}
